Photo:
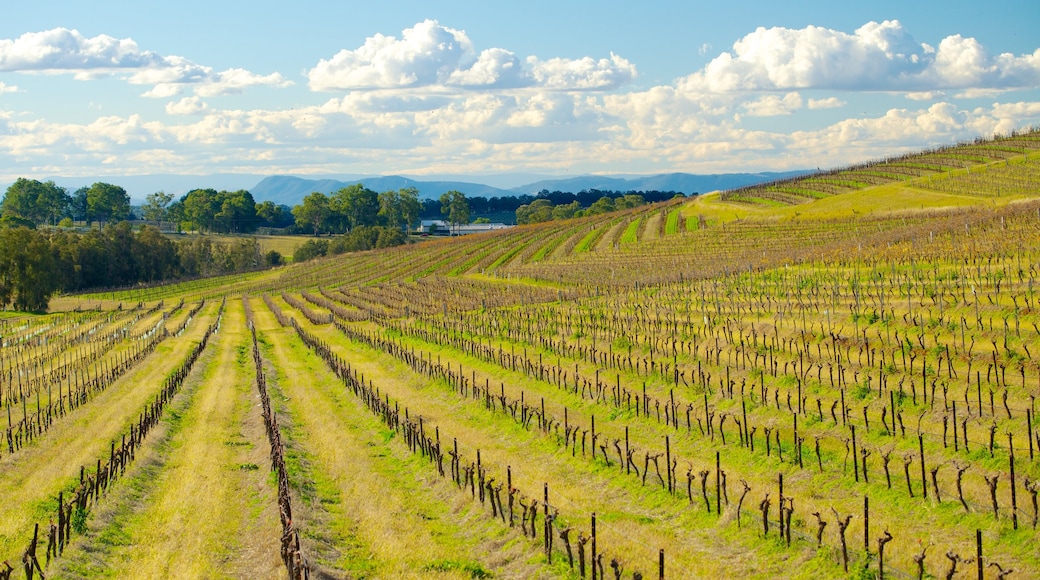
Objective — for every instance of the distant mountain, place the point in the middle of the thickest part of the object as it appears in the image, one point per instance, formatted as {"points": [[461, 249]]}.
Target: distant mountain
{"points": [[288, 190], [684, 182]]}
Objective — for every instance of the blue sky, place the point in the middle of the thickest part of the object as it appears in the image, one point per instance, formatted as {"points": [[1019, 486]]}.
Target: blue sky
{"points": [[450, 88]]}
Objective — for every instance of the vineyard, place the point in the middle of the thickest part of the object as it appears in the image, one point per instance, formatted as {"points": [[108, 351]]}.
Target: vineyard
{"points": [[654, 393]]}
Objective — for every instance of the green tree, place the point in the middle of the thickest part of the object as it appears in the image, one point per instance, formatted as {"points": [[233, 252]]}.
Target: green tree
{"points": [[539, 210], [601, 205], [629, 200], [154, 208], [107, 202], [313, 213], [400, 209], [36, 201], [310, 249], [78, 204], [237, 212], [455, 206], [356, 206], [271, 214], [200, 207], [566, 211], [28, 273]]}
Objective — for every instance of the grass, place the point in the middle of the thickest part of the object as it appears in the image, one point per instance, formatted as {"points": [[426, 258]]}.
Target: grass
{"points": [[536, 459], [196, 511], [796, 286], [395, 514], [32, 477]]}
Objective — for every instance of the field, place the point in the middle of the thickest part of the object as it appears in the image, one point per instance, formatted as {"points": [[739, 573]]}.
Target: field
{"points": [[741, 384]]}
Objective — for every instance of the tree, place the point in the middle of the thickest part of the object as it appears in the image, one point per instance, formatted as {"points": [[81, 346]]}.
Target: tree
{"points": [[310, 249], [602, 205], [314, 212], [400, 209], [273, 215], [107, 202], [356, 205], [455, 207], [28, 276], [237, 212], [78, 205], [38, 202], [154, 208], [200, 209], [566, 211], [539, 210]]}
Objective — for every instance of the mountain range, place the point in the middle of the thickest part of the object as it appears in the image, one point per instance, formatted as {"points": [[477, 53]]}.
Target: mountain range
{"points": [[290, 190]]}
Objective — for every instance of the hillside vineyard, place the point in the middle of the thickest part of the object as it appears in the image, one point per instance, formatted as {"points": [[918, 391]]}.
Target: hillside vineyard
{"points": [[830, 376]]}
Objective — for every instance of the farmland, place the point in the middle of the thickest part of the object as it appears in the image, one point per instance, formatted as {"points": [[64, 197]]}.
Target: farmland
{"points": [[831, 377]]}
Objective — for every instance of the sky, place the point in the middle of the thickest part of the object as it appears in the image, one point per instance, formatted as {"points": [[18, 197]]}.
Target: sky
{"points": [[429, 88]]}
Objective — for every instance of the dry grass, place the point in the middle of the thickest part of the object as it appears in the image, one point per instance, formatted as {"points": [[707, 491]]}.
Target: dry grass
{"points": [[32, 478], [208, 509], [394, 516], [635, 521]]}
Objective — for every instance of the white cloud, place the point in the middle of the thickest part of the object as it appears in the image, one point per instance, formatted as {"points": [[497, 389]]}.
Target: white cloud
{"points": [[187, 106], [426, 54], [582, 74], [773, 105], [828, 103], [494, 68], [431, 55], [484, 132], [6, 88], [62, 50], [979, 93], [925, 95], [877, 57]]}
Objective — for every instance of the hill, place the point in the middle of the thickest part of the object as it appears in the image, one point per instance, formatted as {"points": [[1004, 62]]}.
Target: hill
{"points": [[289, 190], [841, 387], [683, 182]]}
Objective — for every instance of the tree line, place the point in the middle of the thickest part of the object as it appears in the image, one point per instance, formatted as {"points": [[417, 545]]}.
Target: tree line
{"points": [[34, 264], [31, 203]]}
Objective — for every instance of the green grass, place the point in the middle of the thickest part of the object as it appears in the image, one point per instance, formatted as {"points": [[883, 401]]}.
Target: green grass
{"points": [[672, 224], [631, 233]]}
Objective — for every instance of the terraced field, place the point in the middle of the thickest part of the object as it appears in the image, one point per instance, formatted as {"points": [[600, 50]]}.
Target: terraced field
{"points": [[837, 388]]}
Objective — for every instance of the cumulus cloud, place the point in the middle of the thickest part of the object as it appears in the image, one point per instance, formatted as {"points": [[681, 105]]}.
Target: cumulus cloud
{"points": [[925, 95], [582, 74], [187, 106], [6, 88], [62, 50], [876, 57], [494, 68], [426, 54], [432, 55], [486, 132], [828, 103], [773, 105]]}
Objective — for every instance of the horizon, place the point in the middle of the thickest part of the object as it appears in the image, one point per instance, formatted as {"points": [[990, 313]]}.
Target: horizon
{"points": [[139, 192], [426, 91]]}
